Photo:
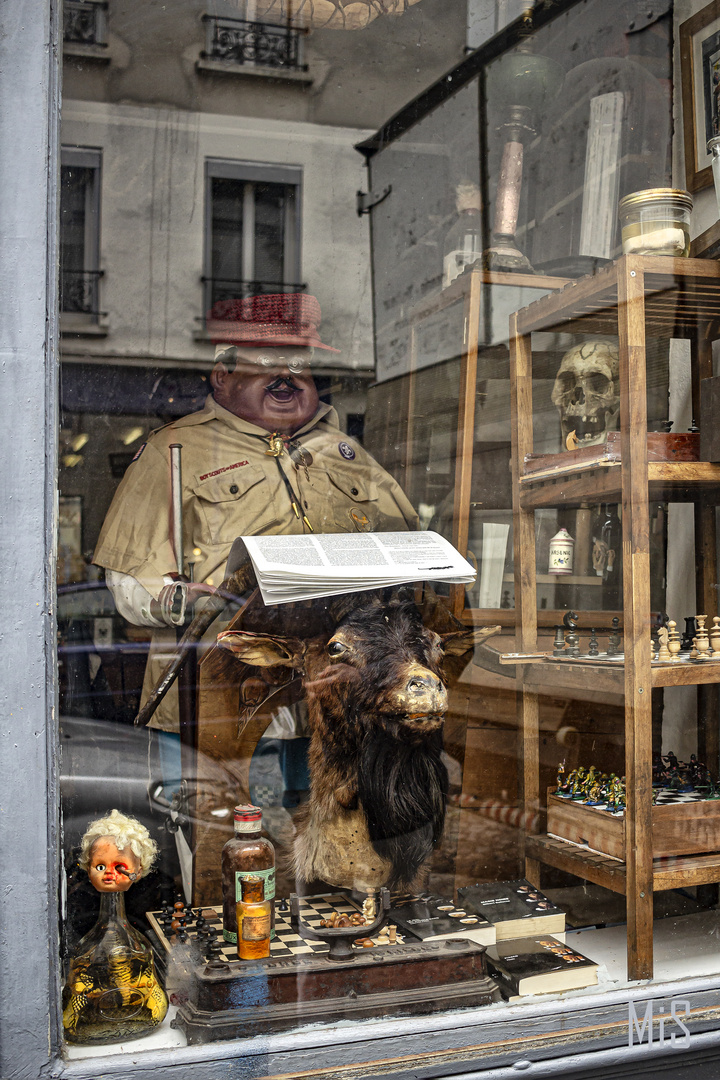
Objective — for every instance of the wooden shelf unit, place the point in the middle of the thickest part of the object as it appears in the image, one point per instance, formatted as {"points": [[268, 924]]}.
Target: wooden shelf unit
{"points": [[473, 288], [675, 298]]}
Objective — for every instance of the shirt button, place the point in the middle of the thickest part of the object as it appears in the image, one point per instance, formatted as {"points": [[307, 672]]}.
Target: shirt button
{"points": [[234, 489], [353, 491]]}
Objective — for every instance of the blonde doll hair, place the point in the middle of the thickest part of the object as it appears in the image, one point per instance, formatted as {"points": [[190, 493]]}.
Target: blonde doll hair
{"points": [[124, 832]]}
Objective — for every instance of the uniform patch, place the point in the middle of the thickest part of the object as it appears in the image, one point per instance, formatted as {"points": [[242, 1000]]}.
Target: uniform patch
{"points": [[360, 520], [225, 468], [346, 450], [138, 452]]}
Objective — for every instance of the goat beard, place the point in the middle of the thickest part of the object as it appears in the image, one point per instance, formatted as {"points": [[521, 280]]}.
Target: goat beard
{"points": [[402, 789]]}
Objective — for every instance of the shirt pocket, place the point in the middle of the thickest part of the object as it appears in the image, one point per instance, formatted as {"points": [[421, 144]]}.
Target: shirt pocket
{"points": [[237, 503], [354, 501]]}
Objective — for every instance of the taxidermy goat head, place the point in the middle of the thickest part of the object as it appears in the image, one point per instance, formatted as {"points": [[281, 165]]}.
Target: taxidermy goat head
{"points": [[375, 684]]}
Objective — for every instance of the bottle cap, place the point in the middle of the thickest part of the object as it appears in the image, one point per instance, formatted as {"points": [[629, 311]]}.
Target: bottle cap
{"points": [[248, 813]]}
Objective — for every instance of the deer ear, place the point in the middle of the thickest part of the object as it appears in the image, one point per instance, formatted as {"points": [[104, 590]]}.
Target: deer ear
{"points": [[461, 641], [262, 650]]}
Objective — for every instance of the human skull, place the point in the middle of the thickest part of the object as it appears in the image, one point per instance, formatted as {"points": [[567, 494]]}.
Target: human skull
{"points": [[586, 392]]}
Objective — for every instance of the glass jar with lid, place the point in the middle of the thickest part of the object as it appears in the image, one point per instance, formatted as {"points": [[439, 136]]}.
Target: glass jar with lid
{"points": [[656, 222]]}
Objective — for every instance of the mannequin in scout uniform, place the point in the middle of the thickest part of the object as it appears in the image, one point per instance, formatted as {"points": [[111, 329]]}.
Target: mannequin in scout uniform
{"points": [[263, 456]]}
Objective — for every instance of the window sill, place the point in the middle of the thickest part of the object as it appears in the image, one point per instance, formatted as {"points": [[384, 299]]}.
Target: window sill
{"points": [[69, 328], [99, 53], [226, 67]]}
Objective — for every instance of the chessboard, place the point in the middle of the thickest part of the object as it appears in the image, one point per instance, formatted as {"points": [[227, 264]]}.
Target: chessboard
{"points": [[664, 797], [287, 941]]}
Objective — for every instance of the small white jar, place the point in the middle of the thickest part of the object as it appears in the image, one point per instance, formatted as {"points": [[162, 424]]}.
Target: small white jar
{"points": [[561, 553]]}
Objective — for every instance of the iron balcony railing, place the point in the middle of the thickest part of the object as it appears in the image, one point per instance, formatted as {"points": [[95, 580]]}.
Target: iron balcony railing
{"points": [[241, 42], [84, 22], [219, 289], [80, 292]]}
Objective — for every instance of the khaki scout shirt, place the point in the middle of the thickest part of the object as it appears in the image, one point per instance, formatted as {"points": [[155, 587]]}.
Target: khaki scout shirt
{"points": [[232, 488]]}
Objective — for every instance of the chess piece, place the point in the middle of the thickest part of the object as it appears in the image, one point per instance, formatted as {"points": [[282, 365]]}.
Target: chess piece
{"points": [[715, 636], [593, 649], [571, 638], [559, 642], [613, 648], [693, 649], [369, 909], [560, 775], [673, 642], [112, 991], [663, 651], [690, 630], [703, 641]]}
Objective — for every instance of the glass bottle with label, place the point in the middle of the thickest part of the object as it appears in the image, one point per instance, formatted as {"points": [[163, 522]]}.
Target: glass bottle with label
{"points": [[248, 853], [463, 240], [253, 913]]}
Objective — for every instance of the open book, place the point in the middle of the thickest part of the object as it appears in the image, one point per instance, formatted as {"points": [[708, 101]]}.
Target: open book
{"points": [[303, 567]]}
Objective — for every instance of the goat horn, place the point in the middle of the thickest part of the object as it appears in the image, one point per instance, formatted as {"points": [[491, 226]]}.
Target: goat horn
{"points": [[233, 586]]}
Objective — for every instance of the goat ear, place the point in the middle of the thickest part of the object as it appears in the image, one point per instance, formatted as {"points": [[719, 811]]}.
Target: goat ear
{"points": [[262, 650], [461, 641]]}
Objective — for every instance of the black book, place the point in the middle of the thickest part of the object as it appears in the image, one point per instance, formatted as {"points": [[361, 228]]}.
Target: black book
{"points": [[515, 908], [433, 917], [541, 965]]}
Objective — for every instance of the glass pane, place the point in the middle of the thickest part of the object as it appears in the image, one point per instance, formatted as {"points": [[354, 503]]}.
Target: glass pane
{"points": [[356, 521], [228, 269], [271, 210]]}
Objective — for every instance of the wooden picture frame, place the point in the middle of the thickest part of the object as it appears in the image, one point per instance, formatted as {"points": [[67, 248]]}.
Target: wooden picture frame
{"points": [[700, 76]]}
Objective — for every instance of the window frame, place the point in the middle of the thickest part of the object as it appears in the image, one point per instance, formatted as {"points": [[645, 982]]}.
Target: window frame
{"points": [[446, 1044]]}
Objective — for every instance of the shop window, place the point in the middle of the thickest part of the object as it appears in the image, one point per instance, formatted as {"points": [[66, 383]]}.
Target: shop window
{"points": [[84, 22], [79, 235], [253, 231]]}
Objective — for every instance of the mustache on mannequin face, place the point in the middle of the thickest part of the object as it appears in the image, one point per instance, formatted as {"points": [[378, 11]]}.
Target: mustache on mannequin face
{"points": [[282, 380]]}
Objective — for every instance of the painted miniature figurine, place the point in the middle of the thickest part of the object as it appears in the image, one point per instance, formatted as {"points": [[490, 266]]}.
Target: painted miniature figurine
{"points": [[112, 991]]}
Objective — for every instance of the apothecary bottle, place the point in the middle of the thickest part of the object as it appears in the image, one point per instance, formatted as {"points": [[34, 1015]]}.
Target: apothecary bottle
{"points": [[248, 853], [463, 241], [253, 913], [112, 991]]}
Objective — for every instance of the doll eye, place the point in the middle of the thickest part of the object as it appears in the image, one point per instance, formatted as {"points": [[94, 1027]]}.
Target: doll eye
{"points": [[101, 867]]}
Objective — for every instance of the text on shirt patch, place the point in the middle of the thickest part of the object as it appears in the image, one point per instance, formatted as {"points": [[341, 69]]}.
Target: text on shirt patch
{"points": [[225, 468]]}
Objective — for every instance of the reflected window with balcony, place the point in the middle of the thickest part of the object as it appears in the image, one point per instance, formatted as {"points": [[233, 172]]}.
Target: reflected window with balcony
{"points": [[79, 236], [251, 43], [252, 230], [84, 22]]}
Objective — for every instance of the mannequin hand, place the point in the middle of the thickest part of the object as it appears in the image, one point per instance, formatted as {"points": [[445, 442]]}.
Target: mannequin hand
{"points": [[175, 598]]}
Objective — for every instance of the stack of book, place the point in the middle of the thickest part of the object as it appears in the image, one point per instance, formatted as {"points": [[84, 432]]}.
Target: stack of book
{"points": [[516, 922]]}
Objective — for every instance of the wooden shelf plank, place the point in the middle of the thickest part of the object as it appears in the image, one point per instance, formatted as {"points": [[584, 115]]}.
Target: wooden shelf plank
{"points": [[668, 481], [588, 865], [673, 289], [668, 873], [604, 678], [703, 674]]}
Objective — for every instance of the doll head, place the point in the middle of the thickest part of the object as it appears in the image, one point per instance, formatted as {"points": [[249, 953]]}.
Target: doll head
{"points": [[116, 851]]}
